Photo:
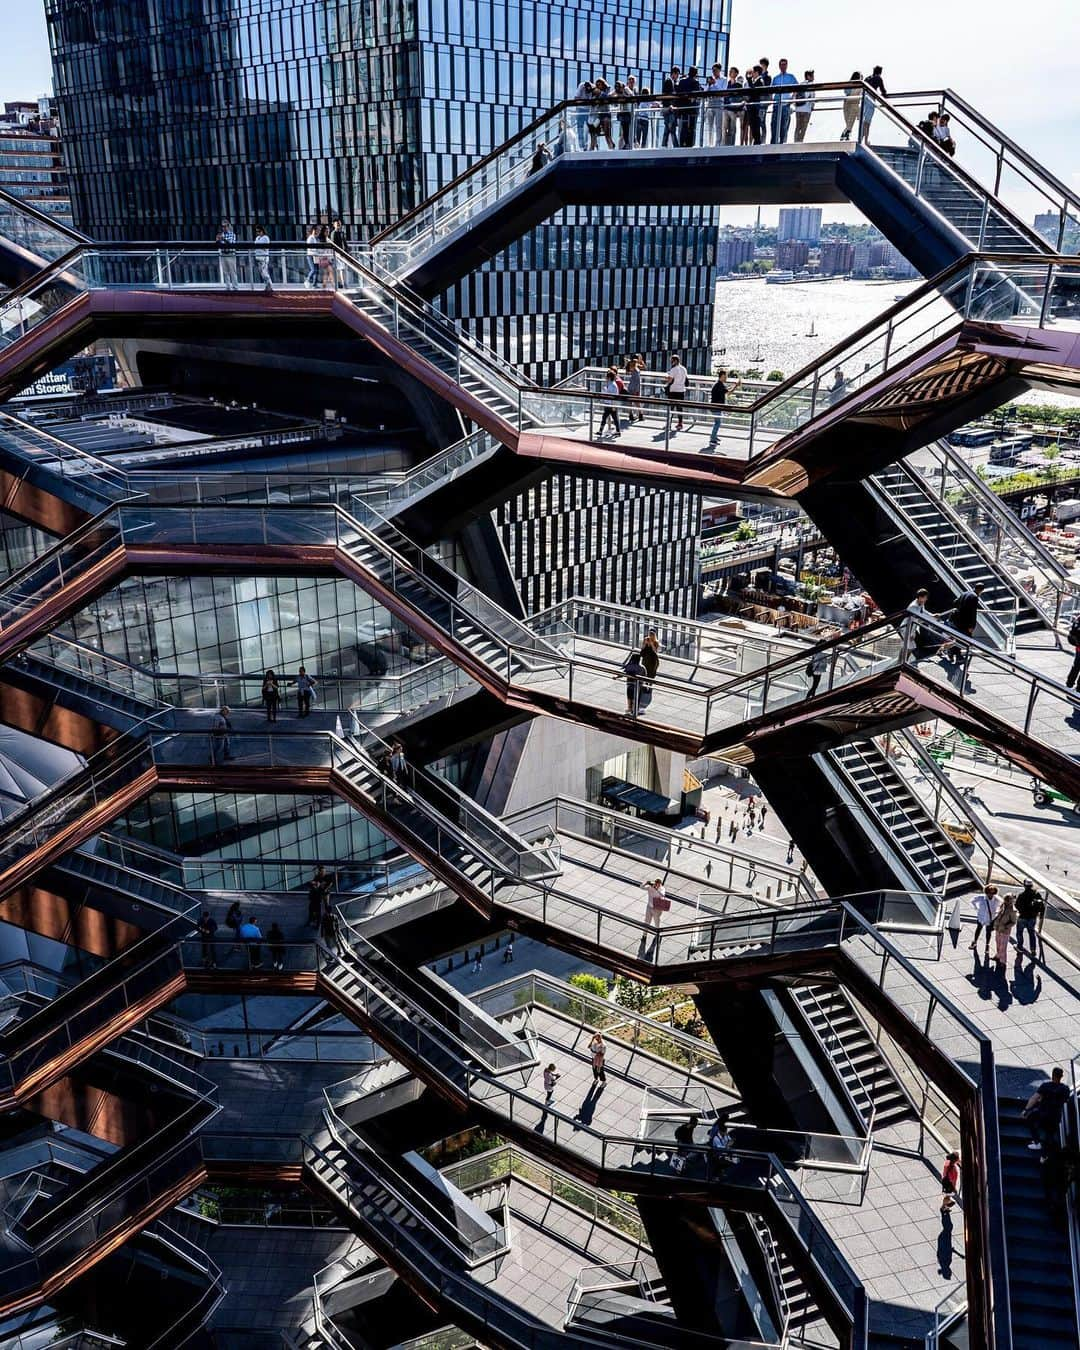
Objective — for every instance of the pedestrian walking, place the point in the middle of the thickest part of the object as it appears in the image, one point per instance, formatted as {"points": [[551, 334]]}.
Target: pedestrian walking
{"points": [[782, 103], [718, 397], [226, 242], [1043, 1109], [950, 1181], [963, 618], [684, 1139], [634, 672], [250, 934], [609, 410], [399, 765], [657, 903], [318, 895], [815, 670], [733, 832], [790, 852], [271, 695], [985, 907], [478, 961], [312, 241], [751, 811], [305, 692], [340, 241], [851, 104], [262, 257], [207, 927], [678, 377], [551, 1077], [330, 929], [650, 655], [761, 819], [803, 106], [597, 1054], [221, 729], [508, 952], [276, 942], [1004, 922], [1073, 678], [1030, 913], [325, 259]]}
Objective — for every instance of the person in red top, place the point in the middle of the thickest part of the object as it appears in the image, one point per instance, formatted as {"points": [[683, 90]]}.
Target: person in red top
{"points": [[950, 1181]]}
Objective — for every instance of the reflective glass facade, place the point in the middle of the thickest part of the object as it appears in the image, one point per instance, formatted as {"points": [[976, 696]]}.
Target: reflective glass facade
{"points": [[281, 112]]}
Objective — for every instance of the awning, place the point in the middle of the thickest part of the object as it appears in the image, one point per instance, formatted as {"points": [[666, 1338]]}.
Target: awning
{"points": [[621, 793]]}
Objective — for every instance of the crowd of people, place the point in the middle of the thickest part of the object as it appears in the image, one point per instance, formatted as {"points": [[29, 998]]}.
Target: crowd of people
{"points": [[759, 107], [324, 269]]}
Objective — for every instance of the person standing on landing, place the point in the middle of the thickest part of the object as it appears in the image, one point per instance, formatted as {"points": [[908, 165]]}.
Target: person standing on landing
{"points": [[985, 906]]}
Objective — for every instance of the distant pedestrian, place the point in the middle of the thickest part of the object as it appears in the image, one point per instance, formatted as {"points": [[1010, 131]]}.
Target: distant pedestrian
{"points": [[318, 895], [790, 852], [650, 654], [713, 122], [625, 117], [276, 941], [234, 918], [262, 257], [226, 242], [985, 907], [734, 107], [803, 105], [782, 104], [250, 934], [877, 84], [942, 135], [207, 927], [583, 114], [675, 385], [1043, 1111], [689, 87], [1004, 922], [632, 389], [271, 696], [478, 961], [964, 617], [598, 1054], [508, 952], [399, 765], [718, 396], [761, 819], [838, 389], [325, 259], [312, 241], [671, 114], [330, 929], [684, 1139], [551, 1077], [950, 1181], [305, 692], [733, 831], [721, 1144], [634, 672], [1030, 911], [609, 409], [340, 240], [1073, 678], [657, 903], [221, 729], [540, 160], [851, 104], [751, 811]]}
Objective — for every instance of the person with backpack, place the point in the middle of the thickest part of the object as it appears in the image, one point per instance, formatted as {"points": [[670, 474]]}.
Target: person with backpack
{"points": [[1073, 679], [635, 674]]}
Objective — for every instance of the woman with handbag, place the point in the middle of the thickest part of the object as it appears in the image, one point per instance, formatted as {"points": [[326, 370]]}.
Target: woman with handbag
{"points": [[657, 904]]}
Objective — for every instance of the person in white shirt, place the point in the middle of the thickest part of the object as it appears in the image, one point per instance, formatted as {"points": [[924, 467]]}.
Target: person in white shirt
{"points": [[581, 118], [656, 902], [803, 104], [262, 257], [610, 411], [985, 907], [712, 132], [675, 386], [734, 108]]}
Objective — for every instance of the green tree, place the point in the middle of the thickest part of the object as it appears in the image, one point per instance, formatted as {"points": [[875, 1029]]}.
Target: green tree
{"points": [[775, 376], [744, 532]]}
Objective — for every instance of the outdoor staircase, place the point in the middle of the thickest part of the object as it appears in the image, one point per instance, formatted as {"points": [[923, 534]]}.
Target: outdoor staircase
{"points": [[1041, 1291], [956, 552], [870, 1081], [967, 208], [797, 1303], [930, 853]]}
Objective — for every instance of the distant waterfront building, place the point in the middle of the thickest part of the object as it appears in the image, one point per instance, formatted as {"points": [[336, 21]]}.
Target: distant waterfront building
{"points": [[799, 222], [732, 253], [837, 257], [31, 158], [792, 255]]}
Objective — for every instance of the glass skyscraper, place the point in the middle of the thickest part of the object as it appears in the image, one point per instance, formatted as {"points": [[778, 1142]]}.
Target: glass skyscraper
{"points": [[284, 112]]}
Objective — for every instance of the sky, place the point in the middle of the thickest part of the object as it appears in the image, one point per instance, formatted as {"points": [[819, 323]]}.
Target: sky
{"points": [[1022, 75]]}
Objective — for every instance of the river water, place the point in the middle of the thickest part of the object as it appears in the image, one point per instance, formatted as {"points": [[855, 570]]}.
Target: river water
{"points": [[767, 326]]}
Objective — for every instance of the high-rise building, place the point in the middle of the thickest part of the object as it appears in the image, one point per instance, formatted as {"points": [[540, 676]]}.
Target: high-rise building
{"points": [[180, 112], [31, 158], [792, 255], [799, 222], [733, 252], [1048, 224], [837, 257]]}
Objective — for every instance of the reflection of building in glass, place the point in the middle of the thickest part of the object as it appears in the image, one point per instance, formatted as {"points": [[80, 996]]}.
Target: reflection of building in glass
{"points": [[1049, 225]]}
